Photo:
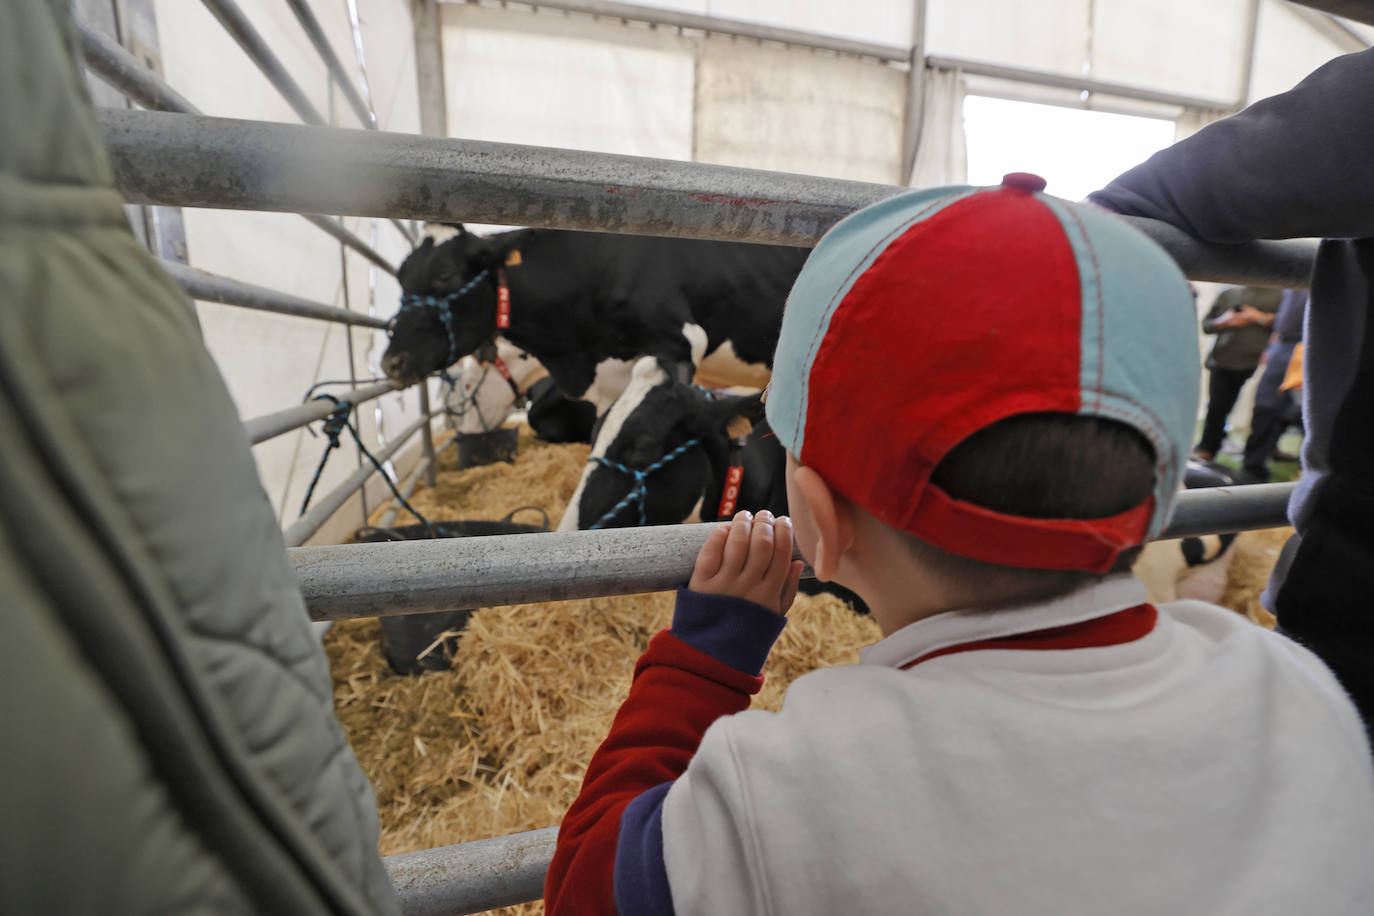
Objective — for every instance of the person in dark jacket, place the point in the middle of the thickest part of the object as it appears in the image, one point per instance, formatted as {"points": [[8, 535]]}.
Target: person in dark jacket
{"points": [[1240, 318], [1297, 165], [1275, 409]]}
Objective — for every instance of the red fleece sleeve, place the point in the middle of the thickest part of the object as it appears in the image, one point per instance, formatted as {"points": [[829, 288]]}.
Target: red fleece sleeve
{"points": [[678, 691]]}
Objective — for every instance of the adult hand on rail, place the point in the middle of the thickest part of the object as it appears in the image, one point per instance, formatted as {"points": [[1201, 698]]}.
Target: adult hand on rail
{"points": [[750, 558]]}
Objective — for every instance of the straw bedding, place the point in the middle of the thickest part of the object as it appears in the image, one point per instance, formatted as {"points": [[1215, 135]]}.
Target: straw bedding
{"points": [[498, 744]]}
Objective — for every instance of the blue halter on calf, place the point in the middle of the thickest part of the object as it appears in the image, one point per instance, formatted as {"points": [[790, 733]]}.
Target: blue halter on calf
{"points": [[639, 489]]}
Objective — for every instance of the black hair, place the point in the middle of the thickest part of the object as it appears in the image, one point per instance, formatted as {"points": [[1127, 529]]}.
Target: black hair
{"points": [[1039, 465]]}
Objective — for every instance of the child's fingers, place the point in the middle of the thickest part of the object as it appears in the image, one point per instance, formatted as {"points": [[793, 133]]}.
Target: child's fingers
{"points": [[737, 544], [710, 555], [781, 560], [789, 587], [761, 540]]}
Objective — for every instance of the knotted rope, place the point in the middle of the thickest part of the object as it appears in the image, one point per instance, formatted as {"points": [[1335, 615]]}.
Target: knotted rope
{"points": [[638, 488], [444, 305], [333, 427]]}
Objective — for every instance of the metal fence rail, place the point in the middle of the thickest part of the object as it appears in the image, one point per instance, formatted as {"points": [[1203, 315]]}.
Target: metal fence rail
{"points": [[215, 162], [302, 528], [373, 580], [112, 63], [199, 284], [473, 877], [265, 427]]}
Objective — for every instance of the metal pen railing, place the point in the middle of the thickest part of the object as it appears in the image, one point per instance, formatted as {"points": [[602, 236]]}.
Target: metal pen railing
{"points": [[196, 161], [112, 63]]}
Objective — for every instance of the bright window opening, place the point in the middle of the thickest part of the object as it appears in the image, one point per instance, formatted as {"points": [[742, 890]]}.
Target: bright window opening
{"points": [[1075, 151]]}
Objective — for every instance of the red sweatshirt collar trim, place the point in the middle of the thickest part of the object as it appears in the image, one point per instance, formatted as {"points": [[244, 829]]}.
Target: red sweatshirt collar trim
{"points": [[1112, 630]]}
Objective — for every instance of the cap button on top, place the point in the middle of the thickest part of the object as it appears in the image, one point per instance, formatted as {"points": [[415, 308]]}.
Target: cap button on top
{"points": [[1024, 181]]}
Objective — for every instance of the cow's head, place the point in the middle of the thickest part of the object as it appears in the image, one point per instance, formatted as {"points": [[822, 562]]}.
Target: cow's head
{"points": [[482, 397], [448, 303], [678, 436]]}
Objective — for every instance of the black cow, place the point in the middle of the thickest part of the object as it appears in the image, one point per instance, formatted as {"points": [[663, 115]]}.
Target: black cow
{"points": [[583, 301]]}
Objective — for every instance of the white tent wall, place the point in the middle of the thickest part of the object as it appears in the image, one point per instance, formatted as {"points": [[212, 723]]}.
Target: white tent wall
{"points": [[798, 110], [269, 361], [552, 79], [1288, 48]]}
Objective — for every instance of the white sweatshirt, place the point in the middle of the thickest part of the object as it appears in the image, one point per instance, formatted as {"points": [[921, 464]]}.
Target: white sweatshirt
{"points": [[1203, 765]]}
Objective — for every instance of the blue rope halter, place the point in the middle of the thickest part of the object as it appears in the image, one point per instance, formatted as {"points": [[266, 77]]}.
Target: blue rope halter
{"points": [[444, 305], [638, 489]]}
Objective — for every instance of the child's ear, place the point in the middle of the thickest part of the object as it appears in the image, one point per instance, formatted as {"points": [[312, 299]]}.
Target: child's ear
{"points": [[832, 516]]}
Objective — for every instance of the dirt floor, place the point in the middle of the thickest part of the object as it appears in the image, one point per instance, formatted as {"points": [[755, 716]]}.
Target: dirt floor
{"points": [[498, 744]]}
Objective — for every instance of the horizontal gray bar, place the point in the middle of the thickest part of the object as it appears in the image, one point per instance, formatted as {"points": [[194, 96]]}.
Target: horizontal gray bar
{"points": [[214, 162], [735, 27], [473, 877], [299, 531], [111, 62], [1064, 81], [372, 580], [260, 429], [1215, 510], [212, 288]]}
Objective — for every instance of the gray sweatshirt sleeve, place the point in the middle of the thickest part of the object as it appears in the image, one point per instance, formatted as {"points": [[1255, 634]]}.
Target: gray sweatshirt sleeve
{"points": [[1294, 165]]}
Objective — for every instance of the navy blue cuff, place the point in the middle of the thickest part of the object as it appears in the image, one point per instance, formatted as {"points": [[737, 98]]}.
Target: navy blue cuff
{"points": [[731, 630], [640, 877]]}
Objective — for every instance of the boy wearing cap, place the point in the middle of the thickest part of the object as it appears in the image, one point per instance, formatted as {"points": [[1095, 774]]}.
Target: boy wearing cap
{"points": [[987, 397]]}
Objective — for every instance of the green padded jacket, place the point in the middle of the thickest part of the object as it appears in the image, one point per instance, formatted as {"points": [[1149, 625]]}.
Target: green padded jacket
{"points": [[167, 741]]}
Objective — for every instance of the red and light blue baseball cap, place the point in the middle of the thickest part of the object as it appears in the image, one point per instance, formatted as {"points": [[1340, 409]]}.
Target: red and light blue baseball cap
{"points": [[928, 316]]}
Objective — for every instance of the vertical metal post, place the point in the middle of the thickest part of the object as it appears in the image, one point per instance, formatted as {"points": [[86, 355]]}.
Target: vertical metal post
{"points": [[427, 439], [429, 69], [915, 93], [348, 329]]}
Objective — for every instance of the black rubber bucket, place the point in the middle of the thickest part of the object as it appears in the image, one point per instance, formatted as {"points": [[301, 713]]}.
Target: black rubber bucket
{"points": [[414, 643], [476, 449]]}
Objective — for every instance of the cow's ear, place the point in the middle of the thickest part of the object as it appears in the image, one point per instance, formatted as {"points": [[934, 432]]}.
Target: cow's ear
{"points": [[426, 243], [732, 415], [498, 250]]}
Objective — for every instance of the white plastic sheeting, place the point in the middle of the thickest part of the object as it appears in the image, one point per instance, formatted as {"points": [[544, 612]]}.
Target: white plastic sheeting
{"points": [[793, 110], [942, 157], [551, 80], [1181, 46]]}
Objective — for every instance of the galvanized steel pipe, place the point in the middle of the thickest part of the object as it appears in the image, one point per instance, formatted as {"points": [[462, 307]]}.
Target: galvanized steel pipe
{"points": [[315, 32], [1215, 510], [299, 531], [262, 428], [109, 60], [374, 580], [212, 288], [406, 489], [254, 165], [736, 28], [473, 877], [122, 70], [238, 25]]}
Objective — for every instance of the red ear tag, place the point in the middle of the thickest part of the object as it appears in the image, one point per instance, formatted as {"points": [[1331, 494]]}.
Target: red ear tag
{"points": [[500, 365], [503, 303], [730, 495]]}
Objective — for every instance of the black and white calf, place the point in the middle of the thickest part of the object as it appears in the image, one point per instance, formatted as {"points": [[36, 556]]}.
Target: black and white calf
{"points": [[663, 453], [587, 305], [486, 392]]}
